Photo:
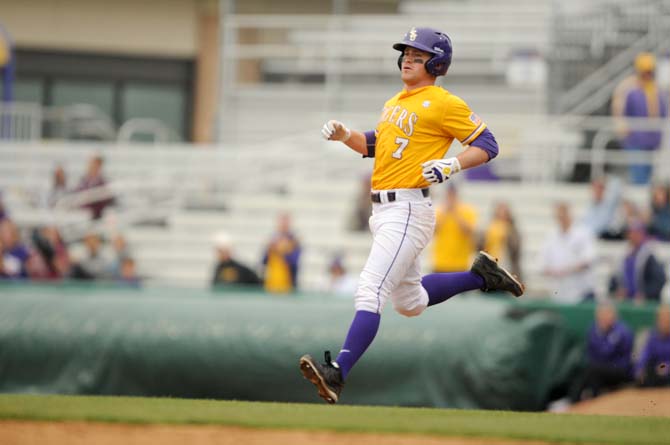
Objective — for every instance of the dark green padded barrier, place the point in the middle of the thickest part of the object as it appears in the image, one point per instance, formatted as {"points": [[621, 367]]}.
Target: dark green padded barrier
{"points": [[471, 352]]}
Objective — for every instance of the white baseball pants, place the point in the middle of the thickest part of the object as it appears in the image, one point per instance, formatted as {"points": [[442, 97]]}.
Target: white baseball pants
{"points": [[401, 230]]}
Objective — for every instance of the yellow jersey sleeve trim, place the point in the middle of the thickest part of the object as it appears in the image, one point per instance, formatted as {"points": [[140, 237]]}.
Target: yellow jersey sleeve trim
{"points": [[474, 134]]}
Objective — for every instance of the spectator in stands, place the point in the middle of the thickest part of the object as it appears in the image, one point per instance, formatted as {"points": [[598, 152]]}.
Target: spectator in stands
{"points": [[640, 97], [128, 273], [58, 187], [3, 211], [363, 210], [502, 239], [455, 238], [627, 214], [568, 257], [281, 258], [659, 216], [600, 216], [93, 263], [120, 251], [341, 283], [641, 277], [228, 270], [16, 253], [49, 244], [653, 367], [95, 180], [4, 274], [609, 351]]}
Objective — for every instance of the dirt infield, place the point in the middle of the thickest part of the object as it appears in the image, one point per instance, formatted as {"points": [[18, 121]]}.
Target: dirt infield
{"points": [[628, 402], [83, 433]]}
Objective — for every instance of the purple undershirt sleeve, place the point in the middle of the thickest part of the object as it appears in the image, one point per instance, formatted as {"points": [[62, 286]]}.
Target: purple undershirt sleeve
{"points": [[487, 142], [370, 140]]}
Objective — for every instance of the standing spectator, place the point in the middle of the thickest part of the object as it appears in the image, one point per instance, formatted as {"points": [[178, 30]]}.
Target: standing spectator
{"points": [[609, 349], [502, 239], [641, 277], [95, 180], [228, 270], [454, 243], [567, 257], [659, 216], [653, 367], [640, 97], [281, 258], [600, 216]]}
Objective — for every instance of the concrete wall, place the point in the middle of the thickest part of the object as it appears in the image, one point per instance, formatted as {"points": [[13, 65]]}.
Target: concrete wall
{"points": [[155, 27]]}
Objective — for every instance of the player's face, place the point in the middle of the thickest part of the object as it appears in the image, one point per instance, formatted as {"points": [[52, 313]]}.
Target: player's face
{"points": [[413, 69]]}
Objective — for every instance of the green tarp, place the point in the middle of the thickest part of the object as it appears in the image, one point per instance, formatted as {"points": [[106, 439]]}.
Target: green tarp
{"points": [[471, 352]]}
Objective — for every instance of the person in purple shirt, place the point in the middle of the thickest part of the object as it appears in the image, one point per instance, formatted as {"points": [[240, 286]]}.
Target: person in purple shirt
{"points": [[653, 367], [608, 352], [639, 96]]}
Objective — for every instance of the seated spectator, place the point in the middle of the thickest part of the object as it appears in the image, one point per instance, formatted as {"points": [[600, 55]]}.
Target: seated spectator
{"points": [[601, 213], [641, 277], [609, 348], [58, 187], [49, 244], [567, 258], [658, 219], [93, 263], [363, 210], [281, 258], [454, 243], [653, 367], [16, 253], [94, 179], [627, 214], [3, 211], [127, 273], [341, 283], [120, 252], [502, 239], [228, 270]]}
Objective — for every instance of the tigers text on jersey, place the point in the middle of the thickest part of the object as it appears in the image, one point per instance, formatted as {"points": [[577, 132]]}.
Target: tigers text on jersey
{"points": [[414, 128]]}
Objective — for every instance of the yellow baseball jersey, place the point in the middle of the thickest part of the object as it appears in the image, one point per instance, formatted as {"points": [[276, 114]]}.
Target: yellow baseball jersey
{"points": [[415, 127]]}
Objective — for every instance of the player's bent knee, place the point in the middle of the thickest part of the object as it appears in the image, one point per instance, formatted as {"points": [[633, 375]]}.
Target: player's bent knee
{"points": [[418, 310]]}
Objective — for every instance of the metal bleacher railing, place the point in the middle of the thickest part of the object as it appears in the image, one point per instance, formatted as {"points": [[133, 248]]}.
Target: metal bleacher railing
{"points": [[593, 49]]}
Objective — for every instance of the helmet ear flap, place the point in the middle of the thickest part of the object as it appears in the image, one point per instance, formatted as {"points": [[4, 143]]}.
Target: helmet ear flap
{"points": [[400, 61]]}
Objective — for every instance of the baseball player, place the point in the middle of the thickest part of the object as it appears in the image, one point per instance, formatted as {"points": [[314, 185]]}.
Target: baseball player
{"points": [[413, 134]]}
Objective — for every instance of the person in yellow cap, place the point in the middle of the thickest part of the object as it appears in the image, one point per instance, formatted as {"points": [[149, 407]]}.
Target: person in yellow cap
{"points": [[640, 97]]}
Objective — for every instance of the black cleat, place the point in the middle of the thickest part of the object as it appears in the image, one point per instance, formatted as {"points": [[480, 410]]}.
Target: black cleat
{"points": [[326, 377], [495, 277]]}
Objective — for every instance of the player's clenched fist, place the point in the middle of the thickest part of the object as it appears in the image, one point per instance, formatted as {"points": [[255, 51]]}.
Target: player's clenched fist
{"points": [[335, 131], [439, 170]]}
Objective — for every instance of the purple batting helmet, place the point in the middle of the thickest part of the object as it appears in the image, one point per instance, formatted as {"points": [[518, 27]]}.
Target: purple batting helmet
{"points": [[432, 41]]}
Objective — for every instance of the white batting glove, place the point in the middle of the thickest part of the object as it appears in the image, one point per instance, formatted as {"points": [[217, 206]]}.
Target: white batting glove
{"points": [[439, 170], [335, 131]]}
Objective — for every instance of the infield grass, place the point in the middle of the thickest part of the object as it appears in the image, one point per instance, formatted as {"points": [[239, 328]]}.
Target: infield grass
{"points": [[340, 418]]}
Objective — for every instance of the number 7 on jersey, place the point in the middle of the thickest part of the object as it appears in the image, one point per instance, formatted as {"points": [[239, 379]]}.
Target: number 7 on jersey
{"points": [[402, 144]]}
